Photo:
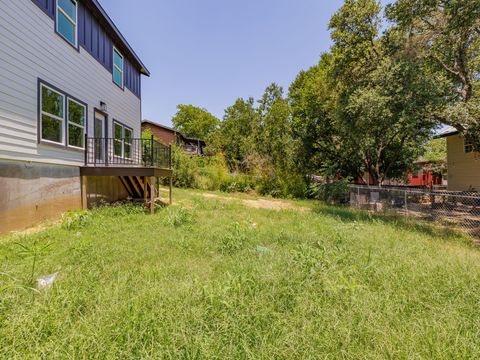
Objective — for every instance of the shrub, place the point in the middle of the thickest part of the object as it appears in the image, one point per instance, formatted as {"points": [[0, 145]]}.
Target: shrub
{"points": [[178, 216], [234, 240], [75, 220], [332, 192]]}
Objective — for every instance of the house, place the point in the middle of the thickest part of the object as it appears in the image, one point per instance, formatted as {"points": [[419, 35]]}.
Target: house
{"points": [[70, 113], [168, 135], [462, 162]]}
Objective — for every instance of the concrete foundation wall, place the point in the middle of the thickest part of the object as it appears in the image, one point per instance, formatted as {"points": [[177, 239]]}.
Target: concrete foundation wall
{"points": [[31, 193]]}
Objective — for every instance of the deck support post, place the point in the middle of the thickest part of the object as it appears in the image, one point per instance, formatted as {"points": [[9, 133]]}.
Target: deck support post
{"points": [[153, 187], [145, 190], [84, 182], [170, 179]]}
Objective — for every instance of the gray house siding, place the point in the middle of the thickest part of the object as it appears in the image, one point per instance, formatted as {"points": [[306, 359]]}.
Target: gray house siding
{"points": [[93, 38], [39, 181], [31, 50]]}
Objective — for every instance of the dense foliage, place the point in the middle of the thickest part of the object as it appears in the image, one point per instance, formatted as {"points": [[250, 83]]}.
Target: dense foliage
{"points": [[369, 107]]}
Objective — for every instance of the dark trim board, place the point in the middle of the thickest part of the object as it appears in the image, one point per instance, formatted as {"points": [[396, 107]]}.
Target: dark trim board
{"points": [[125, 171]]}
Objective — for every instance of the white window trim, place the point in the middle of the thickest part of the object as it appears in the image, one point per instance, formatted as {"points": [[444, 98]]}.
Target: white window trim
{"points": [[115, 50], [74, 22], [68, 122], [62, 120]]}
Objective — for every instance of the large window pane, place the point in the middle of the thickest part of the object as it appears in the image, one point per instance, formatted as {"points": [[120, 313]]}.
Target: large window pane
{"points": [[52, 102], [70, 8], [66, 28], [117, 59], [117, 147], [75, 136], [117, 77], [128, 136], [118, 131], [128, 150], [76, 113], [51, 129]]}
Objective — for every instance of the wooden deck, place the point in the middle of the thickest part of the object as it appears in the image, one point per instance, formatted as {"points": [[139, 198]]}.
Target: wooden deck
{"points": [[137, 163]]}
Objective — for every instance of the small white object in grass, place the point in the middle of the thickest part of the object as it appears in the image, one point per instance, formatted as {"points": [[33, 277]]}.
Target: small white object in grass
{"points": [[254, 225], [263, 250], [46, 282]]}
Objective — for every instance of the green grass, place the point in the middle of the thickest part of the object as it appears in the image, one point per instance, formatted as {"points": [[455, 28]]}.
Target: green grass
{"points": [[213, 279]]}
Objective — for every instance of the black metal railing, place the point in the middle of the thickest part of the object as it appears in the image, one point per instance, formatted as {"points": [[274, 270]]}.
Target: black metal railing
{"points": [[127, 152]]}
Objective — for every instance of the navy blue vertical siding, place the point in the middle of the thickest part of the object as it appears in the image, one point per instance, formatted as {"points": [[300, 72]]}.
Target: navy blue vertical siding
{"points": [[48, 6], [93, 38], [132, 78]]}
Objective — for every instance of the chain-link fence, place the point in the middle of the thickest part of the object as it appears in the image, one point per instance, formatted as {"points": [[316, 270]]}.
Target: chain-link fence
{"points": [[460, 210]]}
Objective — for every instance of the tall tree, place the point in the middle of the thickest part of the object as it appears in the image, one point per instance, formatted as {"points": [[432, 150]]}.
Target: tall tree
{"points": [[446, 35], [273, 136], [194, 121], [236, 134], [382, 95]]}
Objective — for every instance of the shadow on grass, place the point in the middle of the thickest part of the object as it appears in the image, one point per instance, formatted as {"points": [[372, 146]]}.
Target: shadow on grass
{"points": [[346, 214]]}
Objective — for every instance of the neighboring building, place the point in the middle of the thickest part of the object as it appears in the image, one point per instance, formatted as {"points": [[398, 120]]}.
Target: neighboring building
{"points": [[422, 176], [462, 162], [168, 136], [70, 109]]}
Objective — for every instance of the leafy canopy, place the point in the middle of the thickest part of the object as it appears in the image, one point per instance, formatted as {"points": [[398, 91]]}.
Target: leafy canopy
{"points": [[194, 122]]}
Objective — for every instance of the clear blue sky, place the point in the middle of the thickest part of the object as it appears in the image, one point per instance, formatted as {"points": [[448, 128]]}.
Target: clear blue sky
{"points": [[210, 52]]}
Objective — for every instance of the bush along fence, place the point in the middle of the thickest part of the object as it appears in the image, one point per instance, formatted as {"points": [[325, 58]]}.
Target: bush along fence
{"points": [[460, 210]]}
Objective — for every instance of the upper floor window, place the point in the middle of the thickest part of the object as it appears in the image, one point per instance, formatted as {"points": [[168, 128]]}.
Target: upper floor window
{"points": [[117, 68], [67, 20]]}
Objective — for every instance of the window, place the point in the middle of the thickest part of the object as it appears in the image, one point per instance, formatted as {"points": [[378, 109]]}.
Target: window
{"points": [[117, 68], [52, 115], [76, 124], [62, 120], [122, 142], [67, 20]]}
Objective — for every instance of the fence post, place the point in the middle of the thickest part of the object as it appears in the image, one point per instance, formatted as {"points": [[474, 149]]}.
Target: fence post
{"points": [[406, 204], [358, 196]]}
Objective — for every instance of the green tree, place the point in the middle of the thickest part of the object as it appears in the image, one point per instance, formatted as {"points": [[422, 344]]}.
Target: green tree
{"points": [[274, 136], [445, 34], [195, 122], [365, 104], [236, 134]]}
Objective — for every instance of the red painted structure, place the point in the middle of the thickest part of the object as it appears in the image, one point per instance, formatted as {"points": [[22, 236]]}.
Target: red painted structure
{"points": [[422, 177]]}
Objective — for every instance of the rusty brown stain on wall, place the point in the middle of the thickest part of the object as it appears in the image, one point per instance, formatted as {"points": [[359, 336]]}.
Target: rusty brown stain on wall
{"points": [[23, 217]]}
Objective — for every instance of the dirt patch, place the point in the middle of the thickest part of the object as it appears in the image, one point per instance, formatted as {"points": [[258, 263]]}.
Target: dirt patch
{"points": [[258, 203]]}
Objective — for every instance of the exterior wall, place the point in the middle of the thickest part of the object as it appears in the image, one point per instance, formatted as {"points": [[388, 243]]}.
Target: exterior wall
{"points": [[463, 168], [30, 49], [164, 135], [31, 193]]}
